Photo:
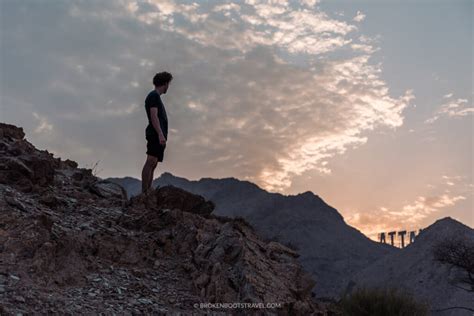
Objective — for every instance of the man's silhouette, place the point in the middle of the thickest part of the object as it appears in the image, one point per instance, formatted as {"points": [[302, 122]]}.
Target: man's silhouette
{"points": [[157, 130]]}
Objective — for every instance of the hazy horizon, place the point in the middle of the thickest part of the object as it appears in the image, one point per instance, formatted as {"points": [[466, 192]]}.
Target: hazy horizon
{"points": [[367, 104]]}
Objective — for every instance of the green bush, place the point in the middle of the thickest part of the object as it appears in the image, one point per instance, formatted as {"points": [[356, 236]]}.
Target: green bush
{"points": [[381, 301]]}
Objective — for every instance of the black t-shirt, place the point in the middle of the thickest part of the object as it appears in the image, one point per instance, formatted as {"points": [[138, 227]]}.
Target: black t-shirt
{"points": [[153, 99]]}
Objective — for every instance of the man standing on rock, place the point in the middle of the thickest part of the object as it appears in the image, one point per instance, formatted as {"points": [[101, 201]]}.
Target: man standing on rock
{"points": [[157, 130]]}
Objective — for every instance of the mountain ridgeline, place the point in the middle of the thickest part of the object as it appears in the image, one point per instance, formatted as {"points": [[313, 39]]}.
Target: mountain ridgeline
{"points": [[339, 257], [330, 250]]}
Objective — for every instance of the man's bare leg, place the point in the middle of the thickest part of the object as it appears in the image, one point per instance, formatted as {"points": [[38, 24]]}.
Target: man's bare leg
{"points": [[150, 183], [147, 172]]}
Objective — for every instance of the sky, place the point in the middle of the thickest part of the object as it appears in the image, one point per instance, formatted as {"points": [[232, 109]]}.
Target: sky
{"points": [[367, 104]]}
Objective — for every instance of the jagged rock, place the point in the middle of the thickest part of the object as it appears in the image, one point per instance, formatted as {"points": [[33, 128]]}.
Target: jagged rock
{"points": [[12, 170], [229, 262], [70, 163], [71, 245], [11, 131], [108, 190], [274, 249], [49, 199], [12, 201], [43, 170], [171, 197], [21, 166]]}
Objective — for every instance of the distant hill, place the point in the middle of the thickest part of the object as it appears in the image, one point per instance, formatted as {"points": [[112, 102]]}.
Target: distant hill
{"points": [[331, 250], [413, 269]]}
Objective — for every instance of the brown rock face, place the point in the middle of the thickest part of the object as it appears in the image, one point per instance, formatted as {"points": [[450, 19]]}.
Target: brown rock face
{"points": [[227, 262], [21, 165], [11, 131], [172, 197], [72, 243]]}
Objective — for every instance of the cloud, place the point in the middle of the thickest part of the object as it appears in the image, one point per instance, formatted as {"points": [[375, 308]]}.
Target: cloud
{"points": [[364, 48], [410, 215], [423, 207], [309, 3], [452, 108], [359, 17], [249, 24], [44, 126], [256, 95], [283, 127], [383, 219]]}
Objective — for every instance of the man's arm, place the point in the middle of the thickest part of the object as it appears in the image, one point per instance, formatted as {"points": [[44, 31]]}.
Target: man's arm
{"points": [[156, 122]]}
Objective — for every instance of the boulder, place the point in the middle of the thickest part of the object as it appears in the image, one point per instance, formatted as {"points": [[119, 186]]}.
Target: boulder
{"points": [[108, 190], [170, 197]]}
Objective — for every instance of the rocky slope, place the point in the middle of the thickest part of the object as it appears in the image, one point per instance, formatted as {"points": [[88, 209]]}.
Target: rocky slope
{"points": [[331, 250], [70, 243], [415, 270]]}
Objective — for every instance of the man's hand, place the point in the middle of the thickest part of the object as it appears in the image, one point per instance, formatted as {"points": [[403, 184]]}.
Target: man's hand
{"points": [[162, 140]]}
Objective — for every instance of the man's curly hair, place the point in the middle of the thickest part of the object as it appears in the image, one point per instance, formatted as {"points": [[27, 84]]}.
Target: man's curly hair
{"points": [[162, 78]]}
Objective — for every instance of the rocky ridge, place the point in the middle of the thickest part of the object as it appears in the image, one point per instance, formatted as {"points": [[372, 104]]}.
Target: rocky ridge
{"points": [[330, 250], [70, 242]]}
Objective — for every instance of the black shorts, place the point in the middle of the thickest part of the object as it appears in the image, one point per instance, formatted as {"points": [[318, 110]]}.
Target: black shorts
{"points": [[154, 148]]}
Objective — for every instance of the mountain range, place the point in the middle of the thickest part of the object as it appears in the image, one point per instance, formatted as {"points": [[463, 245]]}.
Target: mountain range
{"points": [[330, 249], [338, 256]]}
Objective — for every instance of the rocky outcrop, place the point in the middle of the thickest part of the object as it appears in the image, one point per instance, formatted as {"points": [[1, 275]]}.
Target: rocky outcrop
{"points": [[73, 243], [21, 165], [330, 249], [171, 196], [9, 132], [225, 259]]}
